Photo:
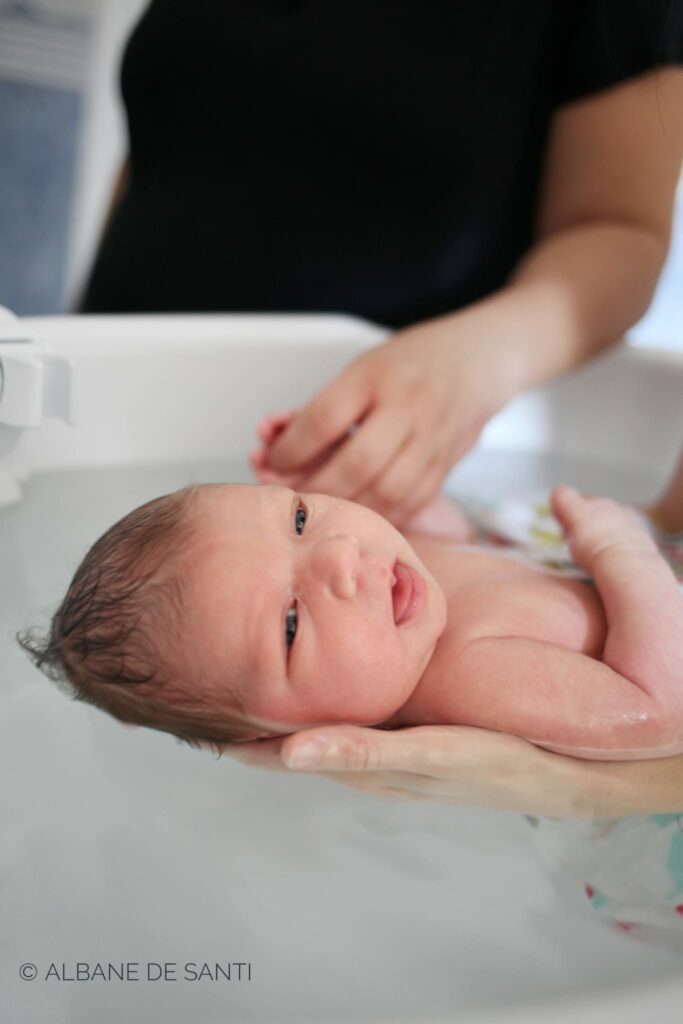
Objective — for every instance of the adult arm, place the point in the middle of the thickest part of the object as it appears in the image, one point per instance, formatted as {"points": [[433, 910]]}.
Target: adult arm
{"points": [[118, 192], [667, 512], [421, 399], [454, 764]]}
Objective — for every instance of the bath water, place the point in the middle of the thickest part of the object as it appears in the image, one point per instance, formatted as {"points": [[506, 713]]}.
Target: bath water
{"points": [[124, 846]]}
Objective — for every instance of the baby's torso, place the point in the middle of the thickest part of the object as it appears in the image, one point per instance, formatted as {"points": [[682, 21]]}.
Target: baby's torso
{"points": [[496, 593]]}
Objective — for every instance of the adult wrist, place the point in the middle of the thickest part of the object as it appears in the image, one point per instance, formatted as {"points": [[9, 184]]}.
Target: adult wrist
{"points": [[513, 339], [484, 341]]}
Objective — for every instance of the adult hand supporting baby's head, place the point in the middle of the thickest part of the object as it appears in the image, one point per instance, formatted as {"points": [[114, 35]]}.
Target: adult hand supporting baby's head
{"points": [[443, 764]]}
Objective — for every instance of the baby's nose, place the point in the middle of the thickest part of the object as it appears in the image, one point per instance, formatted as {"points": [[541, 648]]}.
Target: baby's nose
{"points": [[335, 564]]}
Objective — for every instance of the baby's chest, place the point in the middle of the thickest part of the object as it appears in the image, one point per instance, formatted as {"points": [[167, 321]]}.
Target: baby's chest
{"points": [[535, 607]]}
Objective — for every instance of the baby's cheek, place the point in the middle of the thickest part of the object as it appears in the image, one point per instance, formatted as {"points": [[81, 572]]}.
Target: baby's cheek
{"points": [[378, 692], [357, 696]]}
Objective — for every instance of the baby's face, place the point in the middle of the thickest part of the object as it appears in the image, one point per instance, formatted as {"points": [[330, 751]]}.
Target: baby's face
{"points": [[318, 607]]}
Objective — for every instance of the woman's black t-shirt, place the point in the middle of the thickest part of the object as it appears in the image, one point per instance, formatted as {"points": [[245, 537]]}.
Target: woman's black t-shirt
{"points": [[373, 157]]}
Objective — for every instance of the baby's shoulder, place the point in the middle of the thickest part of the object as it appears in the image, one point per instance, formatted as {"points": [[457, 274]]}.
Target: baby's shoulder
{"points": [[527, 605], [491, 604]]}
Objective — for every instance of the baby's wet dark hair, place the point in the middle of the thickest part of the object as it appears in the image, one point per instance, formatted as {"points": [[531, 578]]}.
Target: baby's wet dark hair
{"points": [[116, 640]]}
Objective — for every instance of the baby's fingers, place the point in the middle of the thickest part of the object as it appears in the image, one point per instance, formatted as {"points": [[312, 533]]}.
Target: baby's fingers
{"points": [[566, 504]]}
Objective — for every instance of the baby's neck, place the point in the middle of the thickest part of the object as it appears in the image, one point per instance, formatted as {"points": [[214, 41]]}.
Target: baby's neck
{"points": [[431, 552], [455, 567]]}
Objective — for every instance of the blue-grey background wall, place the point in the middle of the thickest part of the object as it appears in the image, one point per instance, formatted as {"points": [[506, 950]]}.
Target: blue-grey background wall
{"points": [[44, 49], [39, 128]]}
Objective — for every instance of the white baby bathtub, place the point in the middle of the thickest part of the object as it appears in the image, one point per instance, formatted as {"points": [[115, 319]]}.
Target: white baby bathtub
{"points": [[124, 847]]}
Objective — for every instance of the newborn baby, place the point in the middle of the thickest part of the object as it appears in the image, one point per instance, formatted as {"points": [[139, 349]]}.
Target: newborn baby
{"points": [[225, 613]]}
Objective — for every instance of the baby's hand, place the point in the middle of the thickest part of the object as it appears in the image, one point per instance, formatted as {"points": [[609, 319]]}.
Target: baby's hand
{"points": [[592, 525]]}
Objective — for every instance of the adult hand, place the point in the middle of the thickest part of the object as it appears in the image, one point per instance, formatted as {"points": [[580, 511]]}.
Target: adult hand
{"points": [[417, 402], [461, 764], [439, 518], [443, 764]]}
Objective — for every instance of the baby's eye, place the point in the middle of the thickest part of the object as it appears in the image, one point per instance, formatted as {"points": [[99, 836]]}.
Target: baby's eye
{"points": [[291, 623], [300, 519]]}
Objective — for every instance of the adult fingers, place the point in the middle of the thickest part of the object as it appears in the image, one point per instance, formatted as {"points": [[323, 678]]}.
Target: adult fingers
{"points": [[270, 426], [258, 460], [422, 495], [382, 784], [324, 421], [422, 749], [363, 456], [444, 764], [265, 474], [447, 764], [267, 754], [257, 753], [402, 484], [431, 480]]}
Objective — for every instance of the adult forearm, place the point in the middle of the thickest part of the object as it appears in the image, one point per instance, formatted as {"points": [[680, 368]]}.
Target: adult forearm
{"points": [[667, 512], [574, 294], [618, 789]]}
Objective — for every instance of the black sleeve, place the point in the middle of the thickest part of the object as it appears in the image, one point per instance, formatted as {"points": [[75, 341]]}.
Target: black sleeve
{"points": [[608, 41]]}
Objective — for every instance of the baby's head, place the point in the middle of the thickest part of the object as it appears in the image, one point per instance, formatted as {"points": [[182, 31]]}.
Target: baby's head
{"points": [[224, 613]]}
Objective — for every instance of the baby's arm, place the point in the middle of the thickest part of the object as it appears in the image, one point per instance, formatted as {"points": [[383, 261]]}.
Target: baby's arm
{"points": [[628, 705], [559, 699], [639, 592]]}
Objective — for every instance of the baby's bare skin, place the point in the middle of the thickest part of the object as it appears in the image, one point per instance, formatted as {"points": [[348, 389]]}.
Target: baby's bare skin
{"points": [[489, 594], [592, 671]]}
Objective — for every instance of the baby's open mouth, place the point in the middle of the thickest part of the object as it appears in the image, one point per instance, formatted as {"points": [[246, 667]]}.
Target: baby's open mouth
{"points": [[403, 593]]}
